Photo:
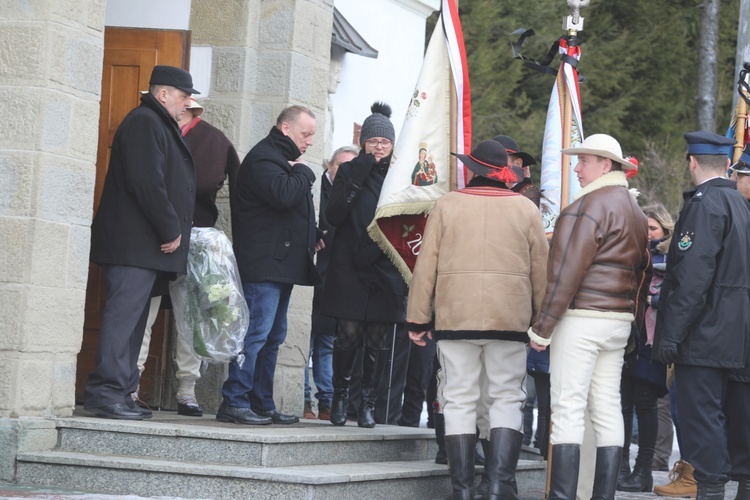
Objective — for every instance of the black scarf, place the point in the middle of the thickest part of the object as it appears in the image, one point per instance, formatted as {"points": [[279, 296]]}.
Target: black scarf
{"points": [[284, 144]]}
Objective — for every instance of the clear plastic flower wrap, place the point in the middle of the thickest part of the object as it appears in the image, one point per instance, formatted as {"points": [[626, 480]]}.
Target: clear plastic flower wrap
{"points": [[208, 304]]}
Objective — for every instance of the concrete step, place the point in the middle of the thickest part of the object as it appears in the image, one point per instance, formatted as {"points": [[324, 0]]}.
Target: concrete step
{"points": [[414, 479], [206, 440]]}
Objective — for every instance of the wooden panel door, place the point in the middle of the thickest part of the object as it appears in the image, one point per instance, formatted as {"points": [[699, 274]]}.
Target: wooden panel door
{"points": [[129, 57]]}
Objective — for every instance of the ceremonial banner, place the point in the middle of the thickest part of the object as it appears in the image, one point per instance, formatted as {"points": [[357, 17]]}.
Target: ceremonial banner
{"points": [[566, 87], [420, 170]]}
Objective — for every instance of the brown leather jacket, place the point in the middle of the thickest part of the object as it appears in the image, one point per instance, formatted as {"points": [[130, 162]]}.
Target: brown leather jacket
{"points": [[598, 257]]}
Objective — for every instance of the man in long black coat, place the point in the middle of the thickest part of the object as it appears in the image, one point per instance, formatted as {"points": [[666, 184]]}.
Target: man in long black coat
{"points": [[140, 233], [703, 321], [275, 240]]}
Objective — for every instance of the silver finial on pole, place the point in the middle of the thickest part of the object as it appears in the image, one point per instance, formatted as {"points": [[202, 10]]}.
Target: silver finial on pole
{"points": [[574, 22]]}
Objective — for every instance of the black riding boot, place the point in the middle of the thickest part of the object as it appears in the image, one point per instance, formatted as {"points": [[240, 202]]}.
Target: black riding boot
{"points": [[482, 491], [505, 448], [460, 449], [641, 479], [343, 363], [564, 480], [743, 490], [373, 362], [710, 491], [624, 473], [607, 469]]}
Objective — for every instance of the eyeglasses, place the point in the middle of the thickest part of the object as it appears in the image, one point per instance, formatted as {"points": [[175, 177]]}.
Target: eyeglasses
{"points": [[373, 143]]}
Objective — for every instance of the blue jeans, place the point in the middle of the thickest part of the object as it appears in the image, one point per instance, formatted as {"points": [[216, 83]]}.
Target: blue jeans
{"points": [[321, 351], [251, 385]]}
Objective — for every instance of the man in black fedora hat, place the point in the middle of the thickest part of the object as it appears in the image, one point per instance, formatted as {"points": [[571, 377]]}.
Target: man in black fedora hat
{"points": [[481, 275], [523, 160], [140, 234]]}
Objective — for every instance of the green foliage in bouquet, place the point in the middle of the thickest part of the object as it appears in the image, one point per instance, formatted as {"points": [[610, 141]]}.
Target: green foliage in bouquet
{"points": [[208, 308]]}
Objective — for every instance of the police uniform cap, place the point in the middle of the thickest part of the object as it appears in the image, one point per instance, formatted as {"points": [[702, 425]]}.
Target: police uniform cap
{"points": [[708, 143]]}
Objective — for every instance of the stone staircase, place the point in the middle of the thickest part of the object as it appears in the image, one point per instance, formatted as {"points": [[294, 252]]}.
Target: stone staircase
{"points": [[186, 457]]}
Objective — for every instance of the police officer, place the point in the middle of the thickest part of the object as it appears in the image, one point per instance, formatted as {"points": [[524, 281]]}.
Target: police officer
{"points": [[703, 321]]}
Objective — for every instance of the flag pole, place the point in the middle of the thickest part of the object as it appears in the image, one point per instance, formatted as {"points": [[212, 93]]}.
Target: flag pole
{"points": [[741, 126], [573, 24]]}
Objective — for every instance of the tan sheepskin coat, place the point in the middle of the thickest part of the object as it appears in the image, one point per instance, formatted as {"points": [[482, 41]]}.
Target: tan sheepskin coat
{"points": [[482, 267]]}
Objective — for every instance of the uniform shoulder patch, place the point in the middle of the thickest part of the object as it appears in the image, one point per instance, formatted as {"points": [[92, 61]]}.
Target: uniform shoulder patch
{"points": [[686, 240]]}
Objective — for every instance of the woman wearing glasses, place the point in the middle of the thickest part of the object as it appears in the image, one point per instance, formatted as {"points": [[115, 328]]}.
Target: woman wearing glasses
{"points": [[363, 290]]}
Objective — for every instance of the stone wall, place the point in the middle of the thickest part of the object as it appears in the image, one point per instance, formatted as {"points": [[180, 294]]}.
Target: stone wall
{"points": [[50, 84]]}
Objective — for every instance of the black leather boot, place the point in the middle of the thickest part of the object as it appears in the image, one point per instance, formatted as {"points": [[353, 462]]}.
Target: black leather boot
{"points": [[343, 363], [641, 480], [624, 473], [743, 490], [373, 366], [460, 449], [711, 491], [441, 457], [607, 469], [505, 448], [564, 479], [482, 491]]}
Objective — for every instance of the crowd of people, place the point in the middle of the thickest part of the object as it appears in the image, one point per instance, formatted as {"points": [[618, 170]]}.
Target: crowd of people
{"points": [[623, 312]]}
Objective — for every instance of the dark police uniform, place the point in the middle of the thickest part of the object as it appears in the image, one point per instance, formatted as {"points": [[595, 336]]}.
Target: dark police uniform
{"points": [[703, 322]]}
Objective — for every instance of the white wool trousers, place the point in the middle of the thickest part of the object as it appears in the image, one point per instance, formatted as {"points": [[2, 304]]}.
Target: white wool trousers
{"points": [[460, 384], [586, 356], [188, 363]]}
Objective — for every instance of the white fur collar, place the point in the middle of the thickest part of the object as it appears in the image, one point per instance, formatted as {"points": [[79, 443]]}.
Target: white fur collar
{"points": [[616, 178]]}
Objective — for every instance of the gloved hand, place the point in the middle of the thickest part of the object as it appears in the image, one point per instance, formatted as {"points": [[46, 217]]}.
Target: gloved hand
{"points": [[667, 353], [361, 166]]}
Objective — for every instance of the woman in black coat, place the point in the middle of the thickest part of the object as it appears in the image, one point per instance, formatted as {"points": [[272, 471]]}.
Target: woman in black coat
{"points": [[364, 291]]}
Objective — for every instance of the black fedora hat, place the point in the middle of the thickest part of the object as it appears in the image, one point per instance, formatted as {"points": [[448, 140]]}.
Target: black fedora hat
{"points": [[511, 146], [489, 159], [174, 77]]}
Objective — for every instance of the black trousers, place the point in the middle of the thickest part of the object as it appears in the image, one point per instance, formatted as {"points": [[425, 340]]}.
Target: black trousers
{"points": [[642, 396], [737, 412], [701, 395], [542, 384], [123, 323], [418, 376]]}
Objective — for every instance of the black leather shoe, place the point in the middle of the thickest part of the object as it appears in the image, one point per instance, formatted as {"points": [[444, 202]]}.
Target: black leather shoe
{"points": [[237, 415], [279, 418], [147, 413], [189, 407], [120, 411]]}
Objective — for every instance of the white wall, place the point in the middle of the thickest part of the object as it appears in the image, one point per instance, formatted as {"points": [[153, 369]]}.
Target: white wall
{"points": [[398, 34], [157, 14]]}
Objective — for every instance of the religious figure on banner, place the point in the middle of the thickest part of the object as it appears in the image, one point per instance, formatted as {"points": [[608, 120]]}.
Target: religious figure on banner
{"points": [[424, 173]]}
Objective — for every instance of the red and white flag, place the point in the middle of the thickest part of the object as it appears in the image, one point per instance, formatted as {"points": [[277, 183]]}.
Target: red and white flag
{"points": [[552, 158], [420, 170]]}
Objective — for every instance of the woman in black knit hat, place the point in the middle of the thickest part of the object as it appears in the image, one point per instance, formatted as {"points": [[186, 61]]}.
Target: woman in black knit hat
{"points": [[364, 291]]}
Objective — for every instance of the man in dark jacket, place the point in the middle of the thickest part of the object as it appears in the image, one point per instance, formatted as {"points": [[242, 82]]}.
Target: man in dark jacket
{"points": [[275, 240], [215, 159], [140, 233], [703, 321]]}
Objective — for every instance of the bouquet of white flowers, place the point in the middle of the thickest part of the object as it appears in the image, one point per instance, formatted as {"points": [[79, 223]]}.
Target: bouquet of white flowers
{"points": [[208, 303]]}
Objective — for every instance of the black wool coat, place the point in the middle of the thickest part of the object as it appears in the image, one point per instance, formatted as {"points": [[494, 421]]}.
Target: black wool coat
{"points": [[362, 283], [149, 193], [273, 217], [321, 323], [704, 307]]}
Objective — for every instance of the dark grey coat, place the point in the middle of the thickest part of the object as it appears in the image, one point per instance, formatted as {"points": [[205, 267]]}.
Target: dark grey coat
{"points": [[149, 193]]}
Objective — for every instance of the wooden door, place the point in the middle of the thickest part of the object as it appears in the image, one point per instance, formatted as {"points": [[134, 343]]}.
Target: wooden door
{"points": [[129, 57]]}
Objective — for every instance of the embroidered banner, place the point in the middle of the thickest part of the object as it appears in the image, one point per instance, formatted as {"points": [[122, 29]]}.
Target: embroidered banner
{"points": [[552, 158], [420, 170]]}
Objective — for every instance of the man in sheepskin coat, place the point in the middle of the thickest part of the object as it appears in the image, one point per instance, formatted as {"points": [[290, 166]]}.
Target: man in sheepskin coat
{"points": [[598, 262]]}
